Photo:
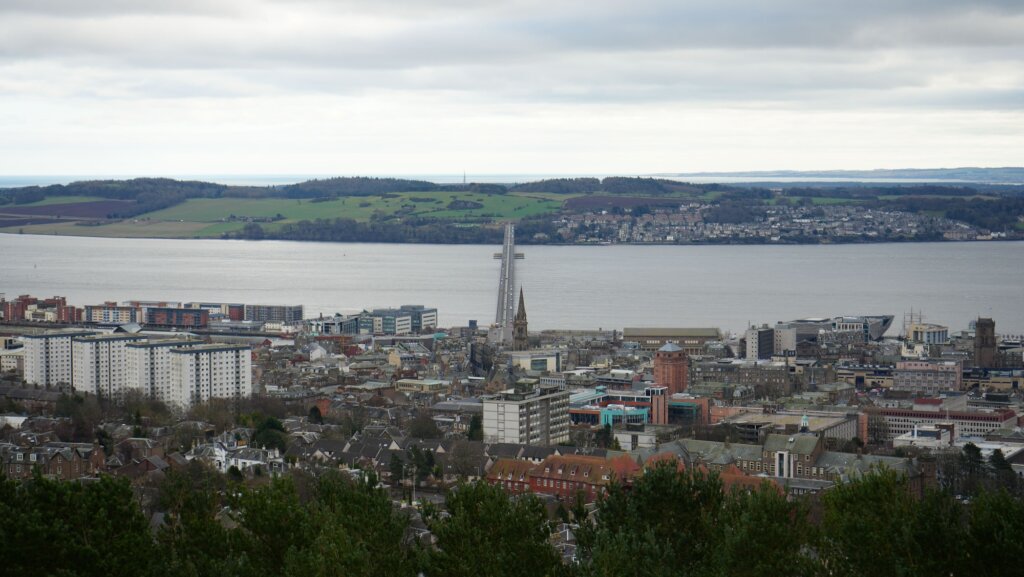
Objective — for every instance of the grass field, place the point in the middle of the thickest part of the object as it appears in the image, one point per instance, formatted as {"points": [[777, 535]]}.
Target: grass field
{"points": [[211, 217], [359, 208]]}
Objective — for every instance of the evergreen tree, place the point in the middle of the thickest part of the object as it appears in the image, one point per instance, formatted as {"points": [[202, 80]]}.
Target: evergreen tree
{"points": [[488, 533]]}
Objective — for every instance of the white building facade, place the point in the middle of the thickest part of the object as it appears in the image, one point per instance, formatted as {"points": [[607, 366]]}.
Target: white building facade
{"points": [[149, 367], [534, 417], [99, 365], [49, 357], [207, 372]]}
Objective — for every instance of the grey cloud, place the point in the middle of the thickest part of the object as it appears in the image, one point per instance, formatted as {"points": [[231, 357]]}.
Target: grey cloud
{"points": [[823, 53]]}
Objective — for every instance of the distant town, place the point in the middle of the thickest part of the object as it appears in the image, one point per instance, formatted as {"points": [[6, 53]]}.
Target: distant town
{"points": [[612, 210]]}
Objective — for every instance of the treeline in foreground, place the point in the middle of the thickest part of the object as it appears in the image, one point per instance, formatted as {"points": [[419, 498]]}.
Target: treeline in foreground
{"points": [[668, 523]]}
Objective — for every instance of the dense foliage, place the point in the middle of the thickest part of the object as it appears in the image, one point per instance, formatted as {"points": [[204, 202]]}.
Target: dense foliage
{"points": [[668, 522], [401, 230], [354, 186]]}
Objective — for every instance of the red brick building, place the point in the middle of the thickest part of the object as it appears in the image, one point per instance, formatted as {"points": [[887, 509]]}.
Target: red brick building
{"points": [[671, 366]]}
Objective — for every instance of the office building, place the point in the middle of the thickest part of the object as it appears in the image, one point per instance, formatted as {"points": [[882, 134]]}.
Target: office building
{"points": [[760, 343], [535, 416], [941, 412], [928, 377]]}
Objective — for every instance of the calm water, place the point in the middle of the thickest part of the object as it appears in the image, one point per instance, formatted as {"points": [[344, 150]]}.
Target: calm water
{"points": [[566, 286]]}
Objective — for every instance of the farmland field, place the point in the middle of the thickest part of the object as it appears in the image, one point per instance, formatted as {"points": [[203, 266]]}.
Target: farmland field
{"points": [[212, 217], [433, 204], [91, 209]]}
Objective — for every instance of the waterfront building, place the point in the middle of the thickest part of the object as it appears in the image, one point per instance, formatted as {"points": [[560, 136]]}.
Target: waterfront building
{"points": [[100, 364], [111, 313], [49, 357], [177, 318], [30, 308], [529, 416], [423, 318], [226, 311], [928, 334], [273, 313]]}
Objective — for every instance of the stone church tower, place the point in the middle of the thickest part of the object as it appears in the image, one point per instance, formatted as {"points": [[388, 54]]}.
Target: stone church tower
{"points": [[520, 339]]}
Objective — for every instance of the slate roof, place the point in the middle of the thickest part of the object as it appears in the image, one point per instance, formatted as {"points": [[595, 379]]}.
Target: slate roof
{"points": [[796, 444]]}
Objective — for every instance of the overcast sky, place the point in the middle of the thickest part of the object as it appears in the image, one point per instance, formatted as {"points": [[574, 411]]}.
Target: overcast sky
{"points": [[178, 87]]}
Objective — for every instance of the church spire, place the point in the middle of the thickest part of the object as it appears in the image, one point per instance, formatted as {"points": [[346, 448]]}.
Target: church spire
{"points": [[521, 312], [520, 335]]}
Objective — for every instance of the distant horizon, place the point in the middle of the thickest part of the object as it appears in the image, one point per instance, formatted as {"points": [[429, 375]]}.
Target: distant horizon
{"points": [[751, 176]]}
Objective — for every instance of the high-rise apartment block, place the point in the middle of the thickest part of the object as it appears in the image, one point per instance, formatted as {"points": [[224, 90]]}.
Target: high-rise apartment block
{"points": [[49, 358], [179, 372], [205, 372], [149, 367], [100, 364]]}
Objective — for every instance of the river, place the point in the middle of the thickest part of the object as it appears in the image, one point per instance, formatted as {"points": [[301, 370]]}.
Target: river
{"points": [[583, 287]]}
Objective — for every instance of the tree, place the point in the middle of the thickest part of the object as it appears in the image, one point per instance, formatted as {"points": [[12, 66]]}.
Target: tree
{"points": [[665, 522], [270, 433], [874, 526], [761, 533], [315, 416], [1002, 471], [59, 528], [993, 544], [476, 428], [397, 469], [487, 532], [424, 427]]}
